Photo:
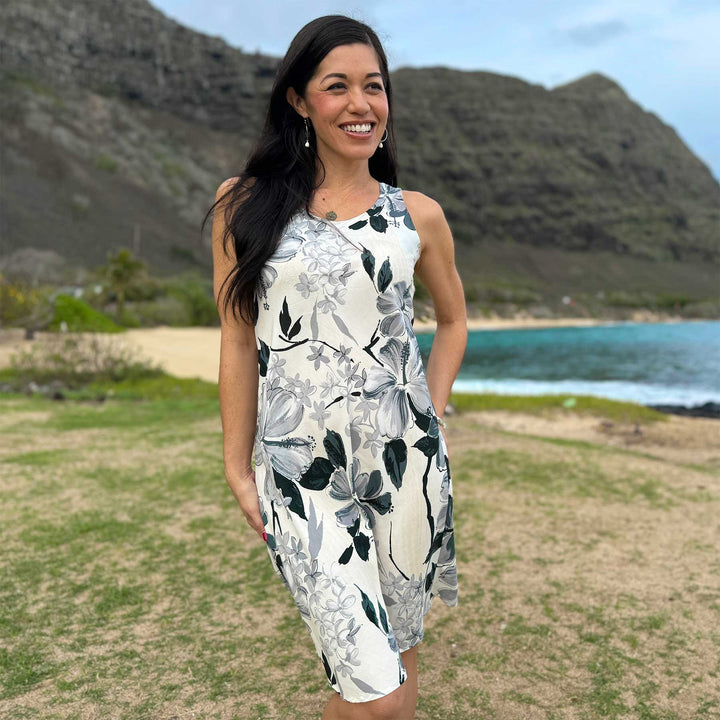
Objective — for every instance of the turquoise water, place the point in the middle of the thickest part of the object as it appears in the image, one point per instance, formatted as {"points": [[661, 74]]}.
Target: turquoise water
{"points": [[649, 363]]}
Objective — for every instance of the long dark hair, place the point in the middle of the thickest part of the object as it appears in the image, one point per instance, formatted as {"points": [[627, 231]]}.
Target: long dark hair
{"points": [[281, 170]]}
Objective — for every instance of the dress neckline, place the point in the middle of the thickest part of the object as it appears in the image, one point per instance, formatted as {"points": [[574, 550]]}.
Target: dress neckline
{"points": [[357, 217]]}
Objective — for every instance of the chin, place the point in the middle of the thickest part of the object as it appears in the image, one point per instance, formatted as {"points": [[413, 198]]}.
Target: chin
{"points": [[358, 153]]}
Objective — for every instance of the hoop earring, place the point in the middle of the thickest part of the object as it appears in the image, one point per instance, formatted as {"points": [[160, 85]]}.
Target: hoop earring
{"points": [[307, 134], [385, 138]]}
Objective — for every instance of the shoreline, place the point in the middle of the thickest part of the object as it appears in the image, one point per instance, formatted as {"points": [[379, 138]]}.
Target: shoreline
{"points": [[194, 352], [520, 322]]}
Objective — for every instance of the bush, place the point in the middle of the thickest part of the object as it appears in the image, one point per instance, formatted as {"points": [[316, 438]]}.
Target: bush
{"points": [[20, 304], [672, 302], [76, 359], [78, 316], [165, 310], [197, 294], [708, 309]]}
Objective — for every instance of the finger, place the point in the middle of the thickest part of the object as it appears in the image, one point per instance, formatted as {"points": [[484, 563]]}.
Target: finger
{"points": [[255, 522]]}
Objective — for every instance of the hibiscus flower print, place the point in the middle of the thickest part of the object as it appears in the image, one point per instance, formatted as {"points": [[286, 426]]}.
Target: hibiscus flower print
{"points": [[280, 413], [396, 303], [363, 493], [397, 382]]}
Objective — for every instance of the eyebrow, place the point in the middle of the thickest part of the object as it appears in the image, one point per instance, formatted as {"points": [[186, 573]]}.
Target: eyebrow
{"points": [[343, 75]]}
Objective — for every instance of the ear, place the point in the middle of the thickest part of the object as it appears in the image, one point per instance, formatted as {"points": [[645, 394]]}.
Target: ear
{"points": [[296, 101]]}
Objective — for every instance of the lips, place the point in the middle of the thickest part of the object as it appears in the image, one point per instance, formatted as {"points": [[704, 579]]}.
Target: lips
{"points": [[359, 135]]}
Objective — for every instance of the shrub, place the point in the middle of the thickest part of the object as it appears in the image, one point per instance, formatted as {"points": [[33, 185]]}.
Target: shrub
{"points": [[75, 359], [197, 294], [80, 317], [20, 304], [165, 310]]}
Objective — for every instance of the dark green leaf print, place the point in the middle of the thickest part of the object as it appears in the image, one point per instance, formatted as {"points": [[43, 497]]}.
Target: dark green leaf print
{"points": [[451, 545], [344, 559], [362, 545], [289, 490], [368, 607], [378, 223], [285, 319], [427, 445], [358, 225], [295, 329], [335, 449], [380, 504], [368, 261], [371, 496], [328, 671], [384, 276], [263, 357], [422, 420], [383, 616], [429, 577], [317, 476], [436, 544], [449, 514], [395, 458]]}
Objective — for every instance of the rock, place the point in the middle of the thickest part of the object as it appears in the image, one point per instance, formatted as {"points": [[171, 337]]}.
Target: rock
{"points": [[708, 410]]}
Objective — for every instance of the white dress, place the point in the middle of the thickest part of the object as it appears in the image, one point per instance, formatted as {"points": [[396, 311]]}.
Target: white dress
{"points": [[352, 472]]}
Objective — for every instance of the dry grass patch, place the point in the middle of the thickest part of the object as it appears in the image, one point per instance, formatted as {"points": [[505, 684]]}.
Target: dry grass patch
{"points": [[132, 586]]}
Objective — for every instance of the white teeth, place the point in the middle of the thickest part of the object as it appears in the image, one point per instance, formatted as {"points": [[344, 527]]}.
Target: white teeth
{"points": [[357, 128]]}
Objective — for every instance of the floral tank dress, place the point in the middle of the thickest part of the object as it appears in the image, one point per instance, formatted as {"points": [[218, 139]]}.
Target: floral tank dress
{"points": [[352, 472]]}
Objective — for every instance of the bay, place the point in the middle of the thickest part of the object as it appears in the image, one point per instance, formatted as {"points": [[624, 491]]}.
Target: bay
{"points": [[648, 363]]}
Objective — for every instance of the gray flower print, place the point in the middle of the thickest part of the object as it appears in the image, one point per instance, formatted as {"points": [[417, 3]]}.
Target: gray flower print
{"points": [[362, 491], [401, 378], [280, 413], [396, 303]]}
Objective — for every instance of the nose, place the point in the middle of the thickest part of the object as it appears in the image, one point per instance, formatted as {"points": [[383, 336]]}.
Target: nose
{"points": [[358, 100]]}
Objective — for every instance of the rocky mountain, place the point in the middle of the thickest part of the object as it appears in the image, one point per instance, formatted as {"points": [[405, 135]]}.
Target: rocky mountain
{"points": [[118, 124]]}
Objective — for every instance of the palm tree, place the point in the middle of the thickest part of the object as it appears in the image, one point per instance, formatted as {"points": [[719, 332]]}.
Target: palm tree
{"points": [[121, 271]]}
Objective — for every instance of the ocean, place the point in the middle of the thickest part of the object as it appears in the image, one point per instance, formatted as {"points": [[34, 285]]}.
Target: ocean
{"points": [[674, 363]]}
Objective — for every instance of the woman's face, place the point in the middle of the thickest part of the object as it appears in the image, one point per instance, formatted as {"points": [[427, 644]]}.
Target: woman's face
{"points": [[347, 88]]}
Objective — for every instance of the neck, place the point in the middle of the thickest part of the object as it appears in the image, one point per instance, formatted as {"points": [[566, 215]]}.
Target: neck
{"points": [[342, 176]]}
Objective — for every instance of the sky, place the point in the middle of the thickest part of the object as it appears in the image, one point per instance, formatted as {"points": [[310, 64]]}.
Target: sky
{"points": [[665, 54]]}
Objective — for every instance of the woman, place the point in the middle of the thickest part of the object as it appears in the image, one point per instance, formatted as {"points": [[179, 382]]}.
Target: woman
{"points": [[321, 374]]}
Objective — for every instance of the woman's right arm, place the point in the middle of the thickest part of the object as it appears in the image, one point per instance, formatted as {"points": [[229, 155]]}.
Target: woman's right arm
{"points": [[237, 379]]}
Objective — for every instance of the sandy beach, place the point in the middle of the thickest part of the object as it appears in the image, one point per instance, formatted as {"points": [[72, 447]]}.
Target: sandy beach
{"points": [[195, 351]]}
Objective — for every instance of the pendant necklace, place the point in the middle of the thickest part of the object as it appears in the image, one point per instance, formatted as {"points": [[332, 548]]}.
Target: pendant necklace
{"points": [[330, 215]]}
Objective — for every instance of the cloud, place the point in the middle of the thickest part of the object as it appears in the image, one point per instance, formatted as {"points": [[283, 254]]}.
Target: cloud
{"points": [[596, 33]]}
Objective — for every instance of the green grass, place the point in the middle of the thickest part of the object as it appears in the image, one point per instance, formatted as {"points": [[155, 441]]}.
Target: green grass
{"points": [[132, 587], [577, 404]]}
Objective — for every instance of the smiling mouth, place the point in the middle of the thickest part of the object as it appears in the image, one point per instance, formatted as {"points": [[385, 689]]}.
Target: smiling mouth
{"points": [[356, 133]]}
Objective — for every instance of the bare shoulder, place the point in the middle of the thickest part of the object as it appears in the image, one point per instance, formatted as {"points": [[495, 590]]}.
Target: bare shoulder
{"points": [[427, 214], [227, 185]]}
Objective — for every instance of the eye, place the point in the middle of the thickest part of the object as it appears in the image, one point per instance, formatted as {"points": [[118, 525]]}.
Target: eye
{"points": [[378, 86]]}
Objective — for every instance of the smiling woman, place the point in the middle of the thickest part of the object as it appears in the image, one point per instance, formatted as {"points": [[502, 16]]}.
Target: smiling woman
{"points": [[321, 377]]}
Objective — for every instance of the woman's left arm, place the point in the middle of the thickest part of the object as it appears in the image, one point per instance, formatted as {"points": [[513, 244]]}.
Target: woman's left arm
{"points": [[436, 270]]}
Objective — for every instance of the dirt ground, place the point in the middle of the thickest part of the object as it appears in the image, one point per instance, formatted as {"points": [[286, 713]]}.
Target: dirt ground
{"points": [[680, 440]]}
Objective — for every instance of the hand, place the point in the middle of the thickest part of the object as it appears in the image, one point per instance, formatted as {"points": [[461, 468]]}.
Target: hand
{"points": [[245, 491]]}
